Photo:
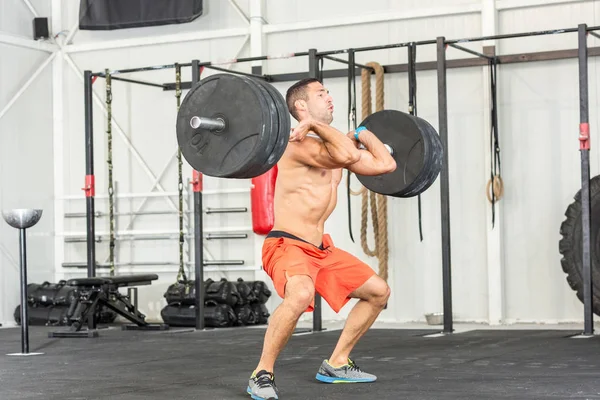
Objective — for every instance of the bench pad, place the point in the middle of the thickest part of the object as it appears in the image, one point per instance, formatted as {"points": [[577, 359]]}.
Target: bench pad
{"points": [[88, 281], [132, 279]]}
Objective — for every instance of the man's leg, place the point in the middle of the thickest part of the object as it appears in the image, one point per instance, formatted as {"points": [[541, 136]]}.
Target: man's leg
{"points": [[299, 294], [373, 295]]}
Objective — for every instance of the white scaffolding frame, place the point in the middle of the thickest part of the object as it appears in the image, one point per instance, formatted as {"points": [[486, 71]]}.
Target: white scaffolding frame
{"points": [[255, 30]]}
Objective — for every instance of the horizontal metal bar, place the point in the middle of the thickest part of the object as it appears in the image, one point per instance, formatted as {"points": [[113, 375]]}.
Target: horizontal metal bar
{"points": [[430, 65], [255, 58], [133, 238], [106, 238], [221, 236], [154, 194], [116, 78], [210, 210], [224, 262], [206, 64], [229, 229], [518, 35], [129, 70], [340, 60], [230, 71], [356, 50], [100, 214], [378, 47], [101, 237], [475, 53], [150, 263], [450, 64]]}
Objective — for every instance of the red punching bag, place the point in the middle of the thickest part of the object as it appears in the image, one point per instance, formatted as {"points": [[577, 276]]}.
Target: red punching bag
{"points": [[261, 198]]}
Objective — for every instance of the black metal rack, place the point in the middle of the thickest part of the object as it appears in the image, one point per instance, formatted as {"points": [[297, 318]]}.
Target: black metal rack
{"points": [[441, 65]]}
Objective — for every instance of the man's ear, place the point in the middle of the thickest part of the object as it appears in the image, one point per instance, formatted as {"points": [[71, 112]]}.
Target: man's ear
{"points": [[300, 105]]}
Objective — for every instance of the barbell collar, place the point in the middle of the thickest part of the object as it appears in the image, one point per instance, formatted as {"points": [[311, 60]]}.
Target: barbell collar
{"points": [[211, 124]]}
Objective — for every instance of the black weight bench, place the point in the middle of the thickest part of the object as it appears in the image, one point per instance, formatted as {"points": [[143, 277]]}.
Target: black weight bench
{"points": [[92, 294]]}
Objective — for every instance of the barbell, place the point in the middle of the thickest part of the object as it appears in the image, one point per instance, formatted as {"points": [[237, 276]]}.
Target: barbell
{"points": [[231, 126]]}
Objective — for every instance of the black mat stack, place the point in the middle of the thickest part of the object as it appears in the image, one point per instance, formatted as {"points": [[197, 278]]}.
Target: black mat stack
{"points": [[226, 303], [53, 304]]}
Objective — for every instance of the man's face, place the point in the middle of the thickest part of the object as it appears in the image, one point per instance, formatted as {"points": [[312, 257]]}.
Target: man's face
{"points": [[320, 103]]}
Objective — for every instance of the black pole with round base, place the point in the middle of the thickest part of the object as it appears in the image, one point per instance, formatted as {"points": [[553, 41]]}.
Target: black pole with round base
{"points": [[22, 219]]}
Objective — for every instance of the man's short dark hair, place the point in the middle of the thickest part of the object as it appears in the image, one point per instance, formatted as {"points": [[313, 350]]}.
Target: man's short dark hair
{"points": [[297, 92]]}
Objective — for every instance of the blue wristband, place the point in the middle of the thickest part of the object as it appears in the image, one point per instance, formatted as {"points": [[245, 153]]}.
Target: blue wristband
{"points": [[357, 131]]}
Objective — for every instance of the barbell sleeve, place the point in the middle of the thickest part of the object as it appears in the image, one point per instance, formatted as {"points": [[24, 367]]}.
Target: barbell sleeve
{"points": [[212, 124]]}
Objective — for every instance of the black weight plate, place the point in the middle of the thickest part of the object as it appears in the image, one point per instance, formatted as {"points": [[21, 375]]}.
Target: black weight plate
{"points": [[434, 159], [400, 131], [257, 167], [246, 114], [285, 126]]}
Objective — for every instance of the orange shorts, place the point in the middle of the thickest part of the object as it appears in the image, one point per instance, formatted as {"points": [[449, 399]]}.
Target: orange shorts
{"points": [[334, 272]]}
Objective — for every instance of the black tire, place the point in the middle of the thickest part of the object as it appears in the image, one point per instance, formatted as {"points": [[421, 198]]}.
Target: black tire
{"points": [[570, 246]]}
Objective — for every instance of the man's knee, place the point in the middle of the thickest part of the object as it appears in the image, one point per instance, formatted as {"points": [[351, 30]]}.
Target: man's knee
{"points": [[376, 291], [299, 292]]}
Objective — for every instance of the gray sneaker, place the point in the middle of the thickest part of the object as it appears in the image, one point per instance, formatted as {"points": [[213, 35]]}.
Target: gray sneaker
{"points": [[262, 386], [349, 373]]}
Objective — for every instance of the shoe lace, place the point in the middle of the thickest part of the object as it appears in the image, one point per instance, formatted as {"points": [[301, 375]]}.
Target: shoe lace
{"points": [[265, 380], [352, 366]]}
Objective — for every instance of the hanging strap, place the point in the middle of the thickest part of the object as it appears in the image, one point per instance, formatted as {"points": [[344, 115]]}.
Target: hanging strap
{"points": [[412, 108], [109, 162], [351, 126], [495, 182], [181, 275]]}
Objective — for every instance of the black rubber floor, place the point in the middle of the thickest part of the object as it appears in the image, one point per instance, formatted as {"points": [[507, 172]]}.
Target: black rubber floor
{"points": [[216, 364]]}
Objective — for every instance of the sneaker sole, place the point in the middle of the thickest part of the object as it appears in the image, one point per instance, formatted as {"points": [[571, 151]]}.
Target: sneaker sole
{"points": [[255, 397], [333, 379]]}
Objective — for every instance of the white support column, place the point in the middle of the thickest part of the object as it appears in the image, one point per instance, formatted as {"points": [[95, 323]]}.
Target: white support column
{"points": [[58, 145], [257, 37], [489, 26]]}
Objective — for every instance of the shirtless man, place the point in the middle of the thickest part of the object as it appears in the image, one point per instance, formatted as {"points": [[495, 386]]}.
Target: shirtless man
{"points": [[298, 256]]}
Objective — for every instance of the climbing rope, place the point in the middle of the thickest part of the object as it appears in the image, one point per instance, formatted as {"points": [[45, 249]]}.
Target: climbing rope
{"points": [[377, 202], [181, 274], [111, 200]]}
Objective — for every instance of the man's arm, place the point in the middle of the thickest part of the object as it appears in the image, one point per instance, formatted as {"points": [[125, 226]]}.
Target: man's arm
{"points": [[375, 159], [332, 149]]}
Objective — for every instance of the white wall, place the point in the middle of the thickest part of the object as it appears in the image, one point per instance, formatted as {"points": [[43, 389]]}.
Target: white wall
{"points": [[538, 105], [26, 178]]}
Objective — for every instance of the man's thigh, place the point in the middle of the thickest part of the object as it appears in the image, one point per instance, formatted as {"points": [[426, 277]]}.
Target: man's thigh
{"points": [[340, 276], [292, 273]]}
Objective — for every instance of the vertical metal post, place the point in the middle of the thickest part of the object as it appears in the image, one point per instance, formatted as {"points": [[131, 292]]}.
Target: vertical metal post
{"points": [[584, 147], [89, 188], [24, 313], [89, 175], [313, 72], [444, 184], [198, 230]]}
